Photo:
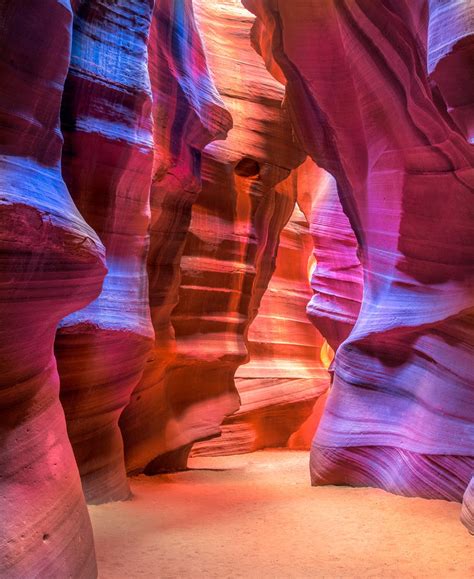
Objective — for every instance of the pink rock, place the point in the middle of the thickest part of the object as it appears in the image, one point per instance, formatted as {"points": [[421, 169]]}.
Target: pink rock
{"points": [[337, 278], [400, 413], [229, 254], [52, 263], [450, 59]]}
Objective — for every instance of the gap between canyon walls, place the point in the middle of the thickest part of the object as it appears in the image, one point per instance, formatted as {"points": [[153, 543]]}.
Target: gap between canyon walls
{"points": [[400, 413], [227, 258]]}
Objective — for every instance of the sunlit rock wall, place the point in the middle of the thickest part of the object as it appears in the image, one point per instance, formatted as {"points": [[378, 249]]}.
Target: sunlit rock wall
{"points": [[280, 384], [400, 414], [379, 94], [229, 253], [51, 263], [336, 274], [337, 278], [188, 113], [107, 165]]}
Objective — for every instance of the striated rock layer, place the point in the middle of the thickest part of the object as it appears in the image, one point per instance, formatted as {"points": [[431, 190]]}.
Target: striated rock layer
{"points": [[451, 59], [188, 113], [51, 263], [279, 386], [107, 164], [401, 411], [337, 278], [229, 254]]}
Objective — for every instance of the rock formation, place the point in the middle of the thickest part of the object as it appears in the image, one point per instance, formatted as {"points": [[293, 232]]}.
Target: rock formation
{"points": [[229, 254], [52, 263], [143, 281], [467, 515], [188, 113], [280, 384], [337, 278], [228, 257], [400, 413], [450, 59], [450, 64], [107, 163]]}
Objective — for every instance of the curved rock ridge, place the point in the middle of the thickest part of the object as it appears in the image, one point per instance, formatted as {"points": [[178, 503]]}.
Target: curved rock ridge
{"points": [[188, 113], [335, 272], [51, 263], [279, 385], [107, 165], [229, 254], [337, 278], [402, 399]]}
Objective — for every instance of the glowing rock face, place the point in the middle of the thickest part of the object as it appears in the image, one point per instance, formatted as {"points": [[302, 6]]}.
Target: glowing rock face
{"points": [[136, 105], [337, 278], [187, 113], [52, 263], [229, 254], [284, 376], [401, 411]]}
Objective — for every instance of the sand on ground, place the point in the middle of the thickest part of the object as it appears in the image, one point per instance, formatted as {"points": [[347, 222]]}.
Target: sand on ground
{"points": [[256, 516]]}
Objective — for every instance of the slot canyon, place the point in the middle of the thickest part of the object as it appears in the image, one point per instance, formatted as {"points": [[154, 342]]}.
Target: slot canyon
{"points": [[236, 289]]}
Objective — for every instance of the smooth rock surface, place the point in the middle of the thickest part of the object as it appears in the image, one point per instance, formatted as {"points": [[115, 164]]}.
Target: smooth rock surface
{"points": [[400, 413], [228, 258], [51, 263], [280, 384], [107, 165], [188, 113]]}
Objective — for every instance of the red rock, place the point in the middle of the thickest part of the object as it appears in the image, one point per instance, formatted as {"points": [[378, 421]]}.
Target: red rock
{"points": [[451, 59], [51, 263], [279, 385], [208, 256], [188, 113], [107, 164], [228, 257]]}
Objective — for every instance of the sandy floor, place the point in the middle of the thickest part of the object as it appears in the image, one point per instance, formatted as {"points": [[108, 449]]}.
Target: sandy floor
{"points": [[256, 516]]}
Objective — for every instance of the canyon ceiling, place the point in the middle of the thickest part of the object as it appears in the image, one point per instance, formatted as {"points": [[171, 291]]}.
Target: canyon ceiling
{"points": [[200, 203]]}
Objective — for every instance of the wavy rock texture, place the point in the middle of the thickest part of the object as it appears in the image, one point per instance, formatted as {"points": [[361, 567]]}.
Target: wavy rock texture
{"points": [[279, 386], [230, 249], [107, 165], [337, 278], [400, 414], [188, 113], [51, 264], [450, 63]]}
